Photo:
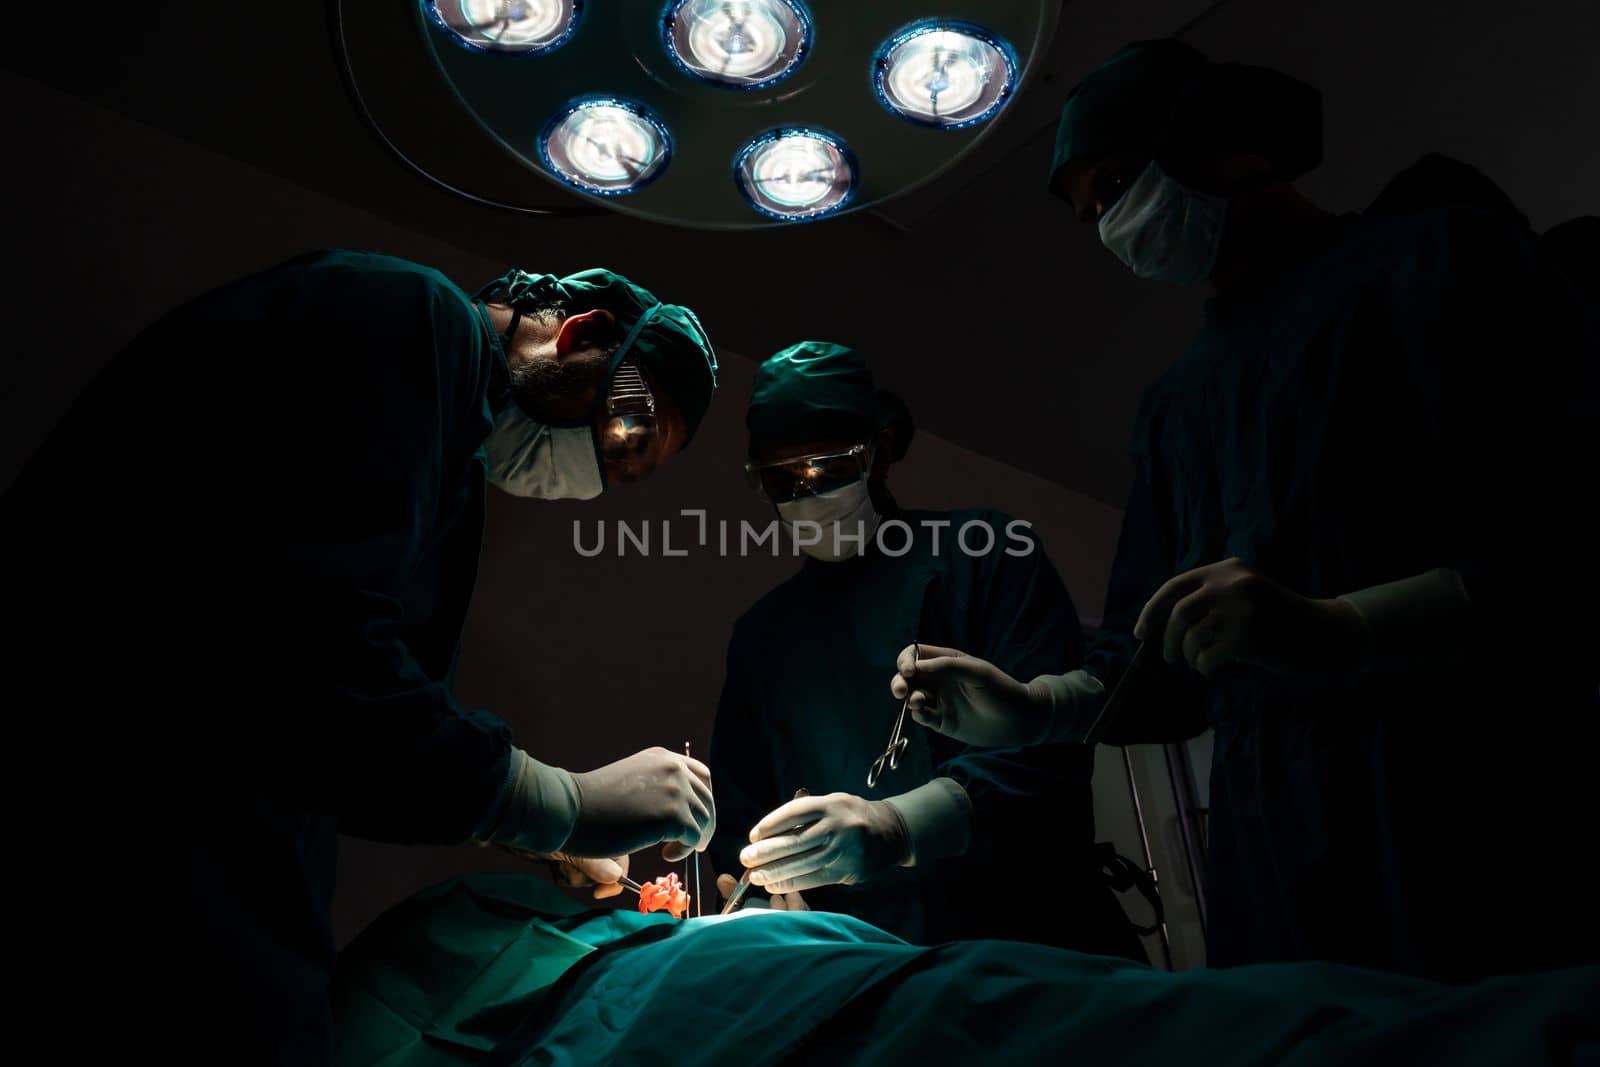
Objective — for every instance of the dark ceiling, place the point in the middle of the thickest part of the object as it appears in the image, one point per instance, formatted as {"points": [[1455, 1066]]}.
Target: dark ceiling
{"points": [[1006, 326]]}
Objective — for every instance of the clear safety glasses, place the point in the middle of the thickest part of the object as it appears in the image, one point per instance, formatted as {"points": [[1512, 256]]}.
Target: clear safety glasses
{"points": [[630, 434], [787, 479]]}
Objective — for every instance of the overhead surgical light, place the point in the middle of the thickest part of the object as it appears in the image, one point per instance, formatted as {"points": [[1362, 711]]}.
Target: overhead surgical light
{"points": [[519, 27], [671, 94], [796, 174], [739, 44], [605, 146], [945, 74]]}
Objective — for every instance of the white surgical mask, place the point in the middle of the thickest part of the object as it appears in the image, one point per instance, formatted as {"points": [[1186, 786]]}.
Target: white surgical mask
{"points": [[841, 521], [528, 458], [1164, 230]]}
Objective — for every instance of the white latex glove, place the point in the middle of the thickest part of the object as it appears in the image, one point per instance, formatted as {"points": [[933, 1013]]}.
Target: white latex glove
{"points": [[970, 699], [848, 840], [534, 811], [1415, 620], [788, 902], [650, 797], [1226, 613], [604, 874]]}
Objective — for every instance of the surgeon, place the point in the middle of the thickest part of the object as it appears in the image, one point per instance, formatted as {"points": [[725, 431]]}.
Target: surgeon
{"points": [[944, 840], [241, 564], [1358, 546], [1574, 246]]}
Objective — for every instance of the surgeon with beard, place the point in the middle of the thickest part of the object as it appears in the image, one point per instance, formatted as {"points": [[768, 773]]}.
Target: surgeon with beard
{"points": [[932, 847], [240, 566]]}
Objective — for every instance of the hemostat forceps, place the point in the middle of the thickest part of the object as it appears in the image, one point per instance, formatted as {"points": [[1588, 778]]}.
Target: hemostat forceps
{"points": [[897, 740]]}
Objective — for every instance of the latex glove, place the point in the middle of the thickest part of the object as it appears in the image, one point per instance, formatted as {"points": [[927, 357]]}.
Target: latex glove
{"points": [[782, 902], [1415, 620], [604, 874], [788, 902], [650, 797], [970, 699], [847, 841], [1226, 613], [534, 811]]}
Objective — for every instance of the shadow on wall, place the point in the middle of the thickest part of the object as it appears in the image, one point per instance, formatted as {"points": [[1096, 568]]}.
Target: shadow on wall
{"points": [[587, 658]]}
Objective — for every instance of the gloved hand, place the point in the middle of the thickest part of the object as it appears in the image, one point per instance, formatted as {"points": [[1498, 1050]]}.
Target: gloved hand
{"points": [[649, 797], [1226, 613], [970, 699], [788, 902], [847, 841], [782, 902], [604, 874]]}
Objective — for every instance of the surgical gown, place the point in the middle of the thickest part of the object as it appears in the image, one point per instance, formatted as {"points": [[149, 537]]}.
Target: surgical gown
{"points": [[1416, 395], [806, 705], [239, 568]]}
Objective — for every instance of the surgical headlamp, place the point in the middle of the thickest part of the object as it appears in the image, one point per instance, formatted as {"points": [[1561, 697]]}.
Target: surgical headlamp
{"points": [[629, 433]]}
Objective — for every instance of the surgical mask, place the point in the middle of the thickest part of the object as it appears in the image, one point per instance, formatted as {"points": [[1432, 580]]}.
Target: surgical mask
{"points": [[530, 459], [841, 521], [1164, 230], [547, 461]]}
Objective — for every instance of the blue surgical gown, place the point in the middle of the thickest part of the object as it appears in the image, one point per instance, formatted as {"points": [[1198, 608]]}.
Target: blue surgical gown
{"points": [[1418, 394]]}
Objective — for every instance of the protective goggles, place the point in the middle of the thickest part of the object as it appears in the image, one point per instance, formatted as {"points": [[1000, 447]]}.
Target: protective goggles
{"points": [[788, 479], [629, 434]]}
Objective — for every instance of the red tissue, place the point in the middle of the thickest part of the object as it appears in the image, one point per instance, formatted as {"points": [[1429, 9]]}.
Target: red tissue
{"points": [[664, 894]]}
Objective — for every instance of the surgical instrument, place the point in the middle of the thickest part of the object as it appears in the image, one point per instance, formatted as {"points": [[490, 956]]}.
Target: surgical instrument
{"points": [[697, 911], [561, 857], [897, 740], [1126, 685], [744, 880]]}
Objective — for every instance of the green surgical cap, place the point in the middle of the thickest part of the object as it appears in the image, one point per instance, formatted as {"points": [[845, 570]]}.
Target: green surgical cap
{"points": [[1164, 97], [819, 391], [673, 346]]}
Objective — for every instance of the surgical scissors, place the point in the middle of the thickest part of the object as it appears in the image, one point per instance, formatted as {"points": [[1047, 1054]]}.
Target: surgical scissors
{"points": [[897, 740]]}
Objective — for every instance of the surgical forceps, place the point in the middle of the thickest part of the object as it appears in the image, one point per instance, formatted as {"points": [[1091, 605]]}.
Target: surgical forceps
{"points": [[897, 740]]}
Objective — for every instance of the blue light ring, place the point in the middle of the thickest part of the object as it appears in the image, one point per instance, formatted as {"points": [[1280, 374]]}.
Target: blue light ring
{"points": [[778, 133], [430, 9], [807, 39], [880, 68], [573, 105]]}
